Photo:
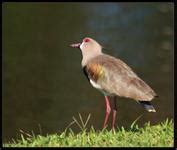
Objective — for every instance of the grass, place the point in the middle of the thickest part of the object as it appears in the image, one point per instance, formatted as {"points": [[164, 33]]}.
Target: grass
{"points": [[160, 135]]}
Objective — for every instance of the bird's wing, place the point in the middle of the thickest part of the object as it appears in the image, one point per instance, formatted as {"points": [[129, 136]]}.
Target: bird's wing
{"points": [[115, 77]]}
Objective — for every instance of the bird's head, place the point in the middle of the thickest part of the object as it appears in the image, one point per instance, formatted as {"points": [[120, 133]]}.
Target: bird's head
{"points": [[88, 45], [89, 48]]}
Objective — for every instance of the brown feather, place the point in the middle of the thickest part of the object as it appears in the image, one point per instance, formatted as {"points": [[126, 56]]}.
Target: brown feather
{"points": [[115, 77], [95, 71]]}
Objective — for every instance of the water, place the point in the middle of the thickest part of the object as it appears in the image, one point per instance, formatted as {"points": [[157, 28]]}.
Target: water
{"points": [[42, 82]]}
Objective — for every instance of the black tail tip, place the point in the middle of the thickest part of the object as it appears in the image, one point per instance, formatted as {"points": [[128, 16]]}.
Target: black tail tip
{"points": [[148, 106]]}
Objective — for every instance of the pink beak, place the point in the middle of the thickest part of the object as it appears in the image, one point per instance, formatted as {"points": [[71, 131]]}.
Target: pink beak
{"points": [[77, 45]]}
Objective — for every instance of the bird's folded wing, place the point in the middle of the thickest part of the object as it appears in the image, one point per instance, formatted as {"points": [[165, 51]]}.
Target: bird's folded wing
{"points": [[115, 77]]}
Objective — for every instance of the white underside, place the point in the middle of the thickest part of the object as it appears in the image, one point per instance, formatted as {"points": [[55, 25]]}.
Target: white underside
{"points": [[97, 86]]}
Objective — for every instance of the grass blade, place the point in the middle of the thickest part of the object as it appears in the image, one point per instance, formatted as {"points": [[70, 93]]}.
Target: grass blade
{"points": [[88, 118], [132, 125], [82, 122], [77, 123]]}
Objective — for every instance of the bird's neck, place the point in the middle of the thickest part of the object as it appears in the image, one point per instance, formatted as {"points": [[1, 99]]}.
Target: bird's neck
{"points": [[87, 57]]}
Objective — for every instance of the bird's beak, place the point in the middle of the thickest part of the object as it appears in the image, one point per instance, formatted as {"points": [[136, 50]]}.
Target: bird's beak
{"points": [[76, 45]]}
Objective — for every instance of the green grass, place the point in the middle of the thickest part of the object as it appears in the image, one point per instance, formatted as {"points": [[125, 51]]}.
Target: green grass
{"points": [[160, 135]]}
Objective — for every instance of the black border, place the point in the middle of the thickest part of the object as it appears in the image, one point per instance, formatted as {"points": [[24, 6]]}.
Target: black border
{"points": [[87, 1]]}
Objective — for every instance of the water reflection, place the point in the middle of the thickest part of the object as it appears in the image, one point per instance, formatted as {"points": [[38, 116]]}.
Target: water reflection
{"points": [[42, 77]]}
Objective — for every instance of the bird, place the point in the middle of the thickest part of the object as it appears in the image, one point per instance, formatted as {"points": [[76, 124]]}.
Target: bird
{"points": [[113, 78]]}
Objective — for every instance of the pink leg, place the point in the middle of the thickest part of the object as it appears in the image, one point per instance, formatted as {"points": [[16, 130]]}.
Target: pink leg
{"points": [[114, 113], [108, 110]]}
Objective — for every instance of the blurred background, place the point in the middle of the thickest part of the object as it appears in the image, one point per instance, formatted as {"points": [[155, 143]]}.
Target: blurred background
{"points": [[43, 85]]}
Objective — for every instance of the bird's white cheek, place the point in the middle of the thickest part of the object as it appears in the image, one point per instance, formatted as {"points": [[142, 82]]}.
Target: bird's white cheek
{"points": [[81, 46]]}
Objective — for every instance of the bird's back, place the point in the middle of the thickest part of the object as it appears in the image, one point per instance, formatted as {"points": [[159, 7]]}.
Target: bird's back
{"points": [[116, 77]]}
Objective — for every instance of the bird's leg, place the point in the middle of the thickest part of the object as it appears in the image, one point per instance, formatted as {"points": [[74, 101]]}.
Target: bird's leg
{"points": [[108, 110], [114, 112]]}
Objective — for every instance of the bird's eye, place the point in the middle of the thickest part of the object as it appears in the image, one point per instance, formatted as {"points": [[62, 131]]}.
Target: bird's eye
{"points": [[86, 40]]}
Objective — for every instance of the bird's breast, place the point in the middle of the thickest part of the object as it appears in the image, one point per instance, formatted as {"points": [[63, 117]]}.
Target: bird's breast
{"points": [[98, 87], [95, 85]]}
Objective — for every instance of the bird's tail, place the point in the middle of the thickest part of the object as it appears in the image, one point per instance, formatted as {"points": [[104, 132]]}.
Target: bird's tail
{"points": [[147, 105]]}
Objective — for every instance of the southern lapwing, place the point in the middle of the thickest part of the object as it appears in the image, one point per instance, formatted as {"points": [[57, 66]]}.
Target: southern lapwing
{"points": [[112, 77]]}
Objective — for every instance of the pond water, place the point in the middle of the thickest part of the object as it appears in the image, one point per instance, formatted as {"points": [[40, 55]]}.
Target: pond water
{"points": [[43, 85]]}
